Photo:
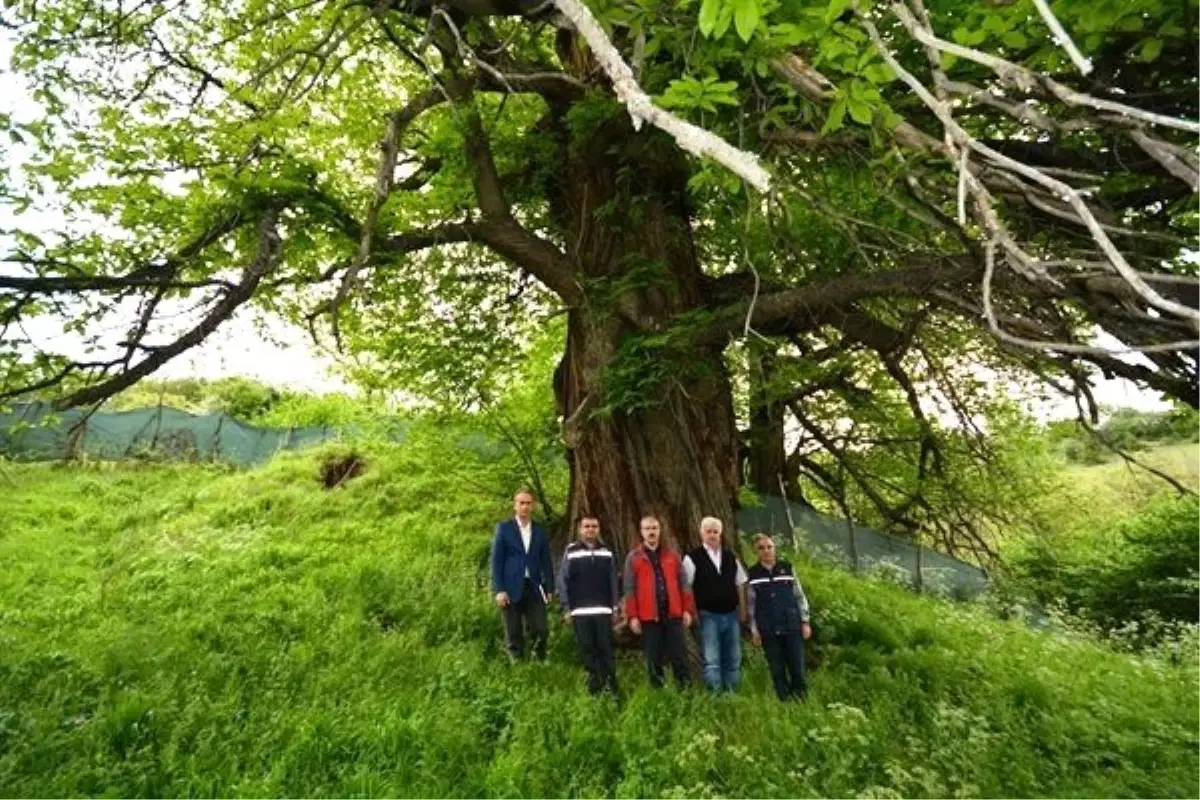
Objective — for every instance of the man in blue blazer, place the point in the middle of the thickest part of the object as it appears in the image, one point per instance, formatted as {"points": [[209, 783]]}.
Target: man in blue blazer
{"points": [[522, 577]]}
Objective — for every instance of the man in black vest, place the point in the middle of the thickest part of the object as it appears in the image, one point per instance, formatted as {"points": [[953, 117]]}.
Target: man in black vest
{"points": [[587, 588], [717, 579], [778, 618]]}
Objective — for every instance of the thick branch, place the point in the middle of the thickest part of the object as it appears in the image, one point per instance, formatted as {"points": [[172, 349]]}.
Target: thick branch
{"points": [[500, 231], [269, 250], [805, 307], [79, 284]]}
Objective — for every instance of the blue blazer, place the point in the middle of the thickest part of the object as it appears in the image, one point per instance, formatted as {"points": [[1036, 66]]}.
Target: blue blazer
{"points": [[509, 560]]}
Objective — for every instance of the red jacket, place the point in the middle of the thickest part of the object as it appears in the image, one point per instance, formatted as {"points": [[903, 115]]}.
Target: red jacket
{"points": [[640, 602]]}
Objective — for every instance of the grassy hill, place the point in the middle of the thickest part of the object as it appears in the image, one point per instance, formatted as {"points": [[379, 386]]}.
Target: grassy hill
{"points": [[181, 630], [1088, 498]]}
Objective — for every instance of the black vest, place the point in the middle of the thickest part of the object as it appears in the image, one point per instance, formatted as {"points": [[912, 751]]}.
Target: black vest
{"points": [[775, 606], [715, 591], [589, 579]]}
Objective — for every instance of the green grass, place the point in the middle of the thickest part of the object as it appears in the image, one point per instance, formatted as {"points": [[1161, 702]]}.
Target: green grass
{"points": [[189, 631], [1090, 498]]}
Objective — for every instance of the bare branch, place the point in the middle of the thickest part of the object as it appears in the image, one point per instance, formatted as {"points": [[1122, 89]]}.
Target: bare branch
{"points": [[79, 284], [1062, 38], [385, 178], [1027, 80], [1061, 347], [690, 137], [1174, 159], [269, 251], [500, 231], [1068, 193]]}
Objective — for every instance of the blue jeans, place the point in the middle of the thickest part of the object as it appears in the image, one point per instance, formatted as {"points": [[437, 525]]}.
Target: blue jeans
{"points": [[721, 641]]}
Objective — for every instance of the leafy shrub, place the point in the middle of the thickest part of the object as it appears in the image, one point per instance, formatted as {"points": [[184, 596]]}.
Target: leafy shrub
{"points": [[1131, 578], [1125, 429]]}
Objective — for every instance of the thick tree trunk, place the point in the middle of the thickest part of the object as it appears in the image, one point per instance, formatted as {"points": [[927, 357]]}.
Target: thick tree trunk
{"points": [[649, 429], [674, 457]]}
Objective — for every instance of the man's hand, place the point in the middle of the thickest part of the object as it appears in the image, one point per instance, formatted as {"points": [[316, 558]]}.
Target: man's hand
{"points": [[635, 625], [756, 638], [806, 630], [502, 599], [687, 620]]}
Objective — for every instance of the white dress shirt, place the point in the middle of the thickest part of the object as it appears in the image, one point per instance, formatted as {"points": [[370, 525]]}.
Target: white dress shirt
{"points": [[526, 538], [689, 569]]}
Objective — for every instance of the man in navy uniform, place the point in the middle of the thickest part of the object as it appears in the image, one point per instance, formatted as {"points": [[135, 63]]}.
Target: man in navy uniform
{"points": [[778, 613], [522, 577], [587, 589]]}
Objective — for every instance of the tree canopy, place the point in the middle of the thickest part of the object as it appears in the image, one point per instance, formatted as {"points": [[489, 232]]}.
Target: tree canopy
{"points": [[845, 220]]}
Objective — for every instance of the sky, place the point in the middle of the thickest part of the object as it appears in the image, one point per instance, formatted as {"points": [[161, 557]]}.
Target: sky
{"points": [[273, 351]]}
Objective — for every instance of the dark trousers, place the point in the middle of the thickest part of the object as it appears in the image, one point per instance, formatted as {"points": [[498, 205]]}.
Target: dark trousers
{"points": [[658, 637], [785, 654], [529, 611], [593, 635]]}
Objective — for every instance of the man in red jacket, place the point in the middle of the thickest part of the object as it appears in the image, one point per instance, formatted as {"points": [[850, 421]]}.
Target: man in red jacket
{"points": [[657, 605]]}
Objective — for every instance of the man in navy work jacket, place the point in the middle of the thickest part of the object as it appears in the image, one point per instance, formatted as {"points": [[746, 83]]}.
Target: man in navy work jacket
{"points": [[587, 588], [522, 577], [778, 618]]}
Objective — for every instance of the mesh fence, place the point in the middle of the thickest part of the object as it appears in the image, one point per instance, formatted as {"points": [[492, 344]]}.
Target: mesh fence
{"points": [[34, 432], [827, 538]]}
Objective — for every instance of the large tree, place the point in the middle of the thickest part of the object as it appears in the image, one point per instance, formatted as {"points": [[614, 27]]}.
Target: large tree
{"points": [[872, 202]]}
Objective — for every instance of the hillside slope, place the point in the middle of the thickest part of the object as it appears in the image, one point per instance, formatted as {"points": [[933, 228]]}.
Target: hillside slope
{"points": [[1091, 497], [172, 630]]}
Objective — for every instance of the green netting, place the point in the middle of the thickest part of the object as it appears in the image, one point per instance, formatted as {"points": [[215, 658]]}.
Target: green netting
{"points": [[34, 432], [828, 539]]}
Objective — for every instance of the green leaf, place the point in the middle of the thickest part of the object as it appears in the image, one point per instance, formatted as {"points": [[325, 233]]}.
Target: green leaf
{"points": [[1015, 40], [860, 111], [724, 17], [723, 92], [836, 9], [745, 17], [968, 37], [837, 114], [788, 34], [708, 16], [1151, 49], [879, 73], [1130, 22], [890, 119], [995, 23]]}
